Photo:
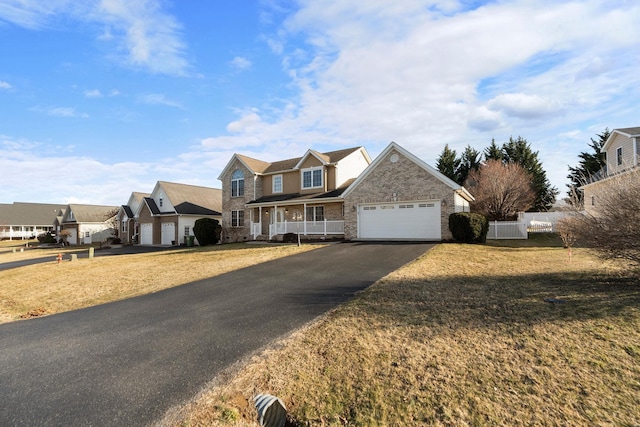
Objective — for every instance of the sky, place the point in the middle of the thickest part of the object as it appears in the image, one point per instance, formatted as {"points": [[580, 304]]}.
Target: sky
{"points": [[102, 98]]}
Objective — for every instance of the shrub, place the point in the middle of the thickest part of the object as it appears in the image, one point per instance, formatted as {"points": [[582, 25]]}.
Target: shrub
{"points": [[290, 238], [46, 238], [207, 231], [469, 227]]}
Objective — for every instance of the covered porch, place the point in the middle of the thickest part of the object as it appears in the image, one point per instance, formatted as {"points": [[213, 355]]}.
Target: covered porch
{"points": [[312, 218]]}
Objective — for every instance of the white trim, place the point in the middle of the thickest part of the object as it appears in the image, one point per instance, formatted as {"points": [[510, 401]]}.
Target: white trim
{"points": [[311, 170], [313, 153], [273, 184]]}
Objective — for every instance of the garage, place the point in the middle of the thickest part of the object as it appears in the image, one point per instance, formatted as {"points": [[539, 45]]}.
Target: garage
{"points": [[146, 234], [403, 220], [168, 233]]}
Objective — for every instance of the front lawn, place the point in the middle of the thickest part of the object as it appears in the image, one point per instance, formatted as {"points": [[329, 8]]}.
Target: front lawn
{"points": [[509, 333]]}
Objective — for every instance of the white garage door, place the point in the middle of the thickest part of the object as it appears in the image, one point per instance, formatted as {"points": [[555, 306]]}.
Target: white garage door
{"points": [[146, 234], [406, 220], [168, 233]]}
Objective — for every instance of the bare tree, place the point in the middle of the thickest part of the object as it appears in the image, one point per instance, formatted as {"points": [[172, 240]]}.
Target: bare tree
{"points": [[610, 226], [501, 190]]}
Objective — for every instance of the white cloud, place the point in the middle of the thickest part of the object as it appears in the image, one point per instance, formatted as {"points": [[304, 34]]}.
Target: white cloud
{"points": [[145, 35], [5, 85], [524, 106], [60, 112], [93, 93], [158, 99], [240, 63]]}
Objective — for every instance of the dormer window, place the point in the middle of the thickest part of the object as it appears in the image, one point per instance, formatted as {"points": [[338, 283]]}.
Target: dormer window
{"points": [[160, 201], [312, 178], [237, 183]]}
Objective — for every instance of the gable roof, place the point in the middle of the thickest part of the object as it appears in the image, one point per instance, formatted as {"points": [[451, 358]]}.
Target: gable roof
{"points": [[21, 213], [430, 169], [261, 167], [88, 213], [185, 197], [633, 132]]}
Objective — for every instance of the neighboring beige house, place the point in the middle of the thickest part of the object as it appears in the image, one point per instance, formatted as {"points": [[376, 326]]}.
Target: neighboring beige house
{"points": [[20, 220], [622, 151], [88, 224], [262, 200], [169, 213], [339, 194], [126, 219]]}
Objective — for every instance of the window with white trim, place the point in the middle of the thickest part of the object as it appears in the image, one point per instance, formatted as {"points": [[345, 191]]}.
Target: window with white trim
{"points": [[315, 213], [186, 230], [237, 183], [312, 177], [277, 183], [237, 218]]}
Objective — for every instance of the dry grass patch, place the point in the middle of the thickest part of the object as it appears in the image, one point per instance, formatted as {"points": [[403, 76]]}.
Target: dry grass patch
{"points": [[52, 288], [461, 336]]}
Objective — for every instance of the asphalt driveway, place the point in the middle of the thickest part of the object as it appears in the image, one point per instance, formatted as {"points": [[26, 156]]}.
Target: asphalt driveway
{"points": [[126, 363]]}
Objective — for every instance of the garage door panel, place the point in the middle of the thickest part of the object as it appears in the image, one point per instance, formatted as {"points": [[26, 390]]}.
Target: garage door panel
{"points": [[146, 234], [168, 233], [407, 220]]}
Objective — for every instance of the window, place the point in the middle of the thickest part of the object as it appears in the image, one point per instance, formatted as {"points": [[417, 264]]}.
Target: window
{"points": [[160, 201], [237, 218], [237, 183], [312, 178], [186, 230], [277, 183], [315, 213], [125, 226], [593, 200], [619, 155]]}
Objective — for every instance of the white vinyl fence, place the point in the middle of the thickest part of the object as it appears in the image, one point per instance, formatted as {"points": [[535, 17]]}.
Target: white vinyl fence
{"points": [[507, 230]]}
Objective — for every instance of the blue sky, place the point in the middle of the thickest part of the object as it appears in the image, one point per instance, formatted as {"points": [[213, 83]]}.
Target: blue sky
{"points": [[101, 98]]}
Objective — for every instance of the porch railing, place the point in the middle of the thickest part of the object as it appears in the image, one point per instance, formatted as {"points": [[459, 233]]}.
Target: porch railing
{"points": [[306, 227]]}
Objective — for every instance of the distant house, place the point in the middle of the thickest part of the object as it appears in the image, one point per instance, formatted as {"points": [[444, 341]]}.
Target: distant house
{"points": [[28, 220], [128, 226], [169, 213], [622, 151], [86, 224], [341, 194]]}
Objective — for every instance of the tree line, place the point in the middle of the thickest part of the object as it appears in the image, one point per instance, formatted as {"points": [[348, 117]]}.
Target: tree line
{"points": [[504, 180]]}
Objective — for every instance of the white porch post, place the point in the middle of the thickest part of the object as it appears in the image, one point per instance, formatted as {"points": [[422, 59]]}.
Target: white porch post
{"points": [[304, 217], [325, 226], [259, 220]]}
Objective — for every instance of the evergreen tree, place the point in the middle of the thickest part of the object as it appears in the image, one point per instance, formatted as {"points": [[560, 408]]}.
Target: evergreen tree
{"points": [[447, 163], [590, 164], [493, 152], [519, 151], [469, 161]]}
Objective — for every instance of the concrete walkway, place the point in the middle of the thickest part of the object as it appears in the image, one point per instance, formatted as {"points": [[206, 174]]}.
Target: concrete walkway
{"points": [[126, 363]]}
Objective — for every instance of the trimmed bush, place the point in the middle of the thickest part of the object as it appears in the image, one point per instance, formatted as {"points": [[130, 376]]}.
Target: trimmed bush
{"points": [[469, 227], [207, 231], [290, 238]]}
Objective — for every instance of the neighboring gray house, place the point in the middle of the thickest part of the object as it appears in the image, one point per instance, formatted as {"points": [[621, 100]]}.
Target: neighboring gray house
{"points": [[622, 151], [28, 220]]}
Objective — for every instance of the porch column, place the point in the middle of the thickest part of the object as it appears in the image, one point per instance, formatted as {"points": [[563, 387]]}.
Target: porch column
{"points": [[259, 221], [304, 217]]}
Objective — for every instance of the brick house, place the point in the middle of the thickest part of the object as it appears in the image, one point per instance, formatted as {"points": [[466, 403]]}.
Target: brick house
{"points": [[339, 194]]}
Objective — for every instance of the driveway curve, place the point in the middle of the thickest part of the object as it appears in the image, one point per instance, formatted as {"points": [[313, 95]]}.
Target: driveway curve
{"points": [[128, 362]]}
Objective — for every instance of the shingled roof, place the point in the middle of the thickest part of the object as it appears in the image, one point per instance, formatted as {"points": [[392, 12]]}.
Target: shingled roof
{"points": [[30, 214], [89, 213], [193, 199]]}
